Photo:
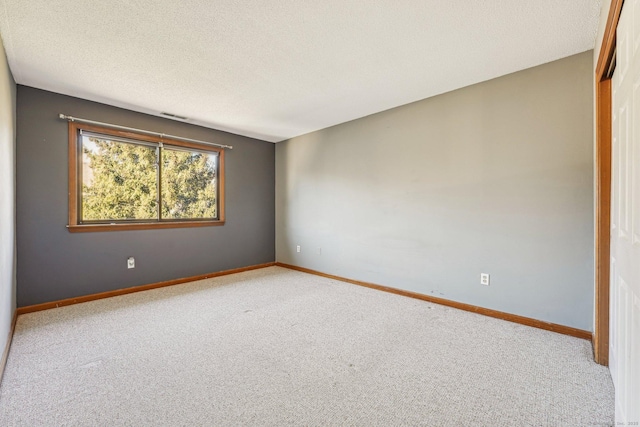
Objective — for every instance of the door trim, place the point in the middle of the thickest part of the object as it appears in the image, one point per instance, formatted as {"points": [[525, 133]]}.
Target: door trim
{"points": [[604, 71]]}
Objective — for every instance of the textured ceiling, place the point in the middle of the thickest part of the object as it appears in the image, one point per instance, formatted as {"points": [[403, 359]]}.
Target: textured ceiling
{"points": [[280, 68]]}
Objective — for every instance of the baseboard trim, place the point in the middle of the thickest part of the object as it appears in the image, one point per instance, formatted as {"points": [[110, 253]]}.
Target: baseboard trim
{"points": [[5, 354], [117, 292], [527, 321]]}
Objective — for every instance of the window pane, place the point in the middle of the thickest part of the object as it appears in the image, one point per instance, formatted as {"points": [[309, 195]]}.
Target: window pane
{"points": [[189, 184], [118, 180]]}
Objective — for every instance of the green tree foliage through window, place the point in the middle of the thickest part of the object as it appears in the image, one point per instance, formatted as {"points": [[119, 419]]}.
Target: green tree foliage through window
{"points": [[120, 181], [188, 184]]}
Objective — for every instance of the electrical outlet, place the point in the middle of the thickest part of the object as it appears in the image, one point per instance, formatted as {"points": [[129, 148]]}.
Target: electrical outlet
{"points": [[298, 248], [484, 279], [131, 262], [319, 251]]}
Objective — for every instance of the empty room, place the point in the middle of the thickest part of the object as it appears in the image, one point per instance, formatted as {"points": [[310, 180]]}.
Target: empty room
{"points": [[359, 213]]}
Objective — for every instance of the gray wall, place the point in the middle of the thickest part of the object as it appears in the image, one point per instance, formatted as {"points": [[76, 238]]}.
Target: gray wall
{"points": [[7, 199], [55, 264], [495, 178]]}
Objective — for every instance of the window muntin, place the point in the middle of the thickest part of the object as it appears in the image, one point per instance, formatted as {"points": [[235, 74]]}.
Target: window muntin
{"points": [[124, 180]]}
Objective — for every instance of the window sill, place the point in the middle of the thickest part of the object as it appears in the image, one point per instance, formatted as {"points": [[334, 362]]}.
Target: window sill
{"points": [[88, 228]]}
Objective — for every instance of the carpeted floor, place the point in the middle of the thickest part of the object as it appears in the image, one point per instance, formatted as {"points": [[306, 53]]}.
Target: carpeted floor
{"points": [[278, 347]]}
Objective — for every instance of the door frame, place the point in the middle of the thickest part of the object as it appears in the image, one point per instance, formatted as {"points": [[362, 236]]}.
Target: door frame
{"points": [[604, 71]]}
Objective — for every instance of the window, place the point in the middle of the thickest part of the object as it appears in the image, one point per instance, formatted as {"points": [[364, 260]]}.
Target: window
{"points": [[124, 181]]}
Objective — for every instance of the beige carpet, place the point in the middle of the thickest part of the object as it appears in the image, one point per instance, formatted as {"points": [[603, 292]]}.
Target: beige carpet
{"points": [[278, 347]]}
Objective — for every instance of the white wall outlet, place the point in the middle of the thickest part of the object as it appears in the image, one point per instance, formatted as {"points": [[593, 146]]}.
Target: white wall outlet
{"points": [[298, 248], [319, 251], [484, 279], [131, 262]]}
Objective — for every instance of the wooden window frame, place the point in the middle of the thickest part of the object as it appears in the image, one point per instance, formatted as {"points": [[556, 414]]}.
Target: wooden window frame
{"points": [[75, 226]]}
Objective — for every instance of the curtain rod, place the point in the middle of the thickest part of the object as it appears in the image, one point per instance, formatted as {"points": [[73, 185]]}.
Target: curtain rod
{"points": [[161, 135]]}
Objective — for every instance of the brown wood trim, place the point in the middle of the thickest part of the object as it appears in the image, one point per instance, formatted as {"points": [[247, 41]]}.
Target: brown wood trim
{"points": [[527, 321], [603, 221], [5, 354], [73, 174], [608, 47], [117, 292], [143, 137], [604, 70], [73, 154], [87, 228], [221, 187]]}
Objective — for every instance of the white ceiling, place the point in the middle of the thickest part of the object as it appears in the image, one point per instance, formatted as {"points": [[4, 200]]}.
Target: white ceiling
{"points": [[274, 69]]}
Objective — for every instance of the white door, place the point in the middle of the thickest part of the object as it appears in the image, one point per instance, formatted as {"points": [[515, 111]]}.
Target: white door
{"points": [[624, 337]]}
